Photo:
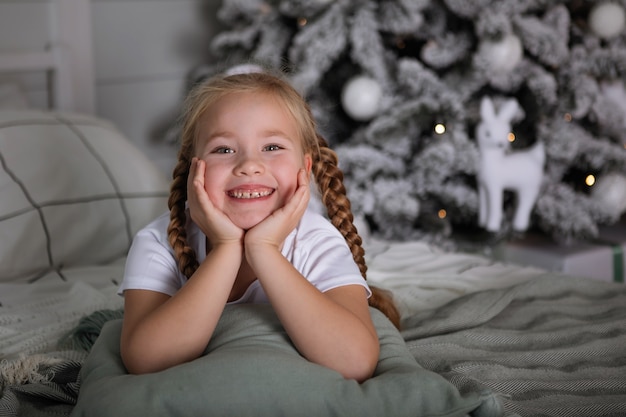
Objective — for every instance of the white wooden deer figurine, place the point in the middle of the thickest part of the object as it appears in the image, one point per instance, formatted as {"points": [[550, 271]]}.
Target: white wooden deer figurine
{"points": [[519, 171]]}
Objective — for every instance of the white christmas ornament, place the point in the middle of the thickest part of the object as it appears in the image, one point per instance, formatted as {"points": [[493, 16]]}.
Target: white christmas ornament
{"points": [[610, 191], [607, 19], [520, 171], [502, 55], [361, 97], [243, 69]]}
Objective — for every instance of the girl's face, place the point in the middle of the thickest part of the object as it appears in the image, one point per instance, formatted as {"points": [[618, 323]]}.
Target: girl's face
{"points": [[253, 154]]}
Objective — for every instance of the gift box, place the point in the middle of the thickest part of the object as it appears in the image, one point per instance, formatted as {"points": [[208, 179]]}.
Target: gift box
{"points": [[615, 236], [601, 259]]}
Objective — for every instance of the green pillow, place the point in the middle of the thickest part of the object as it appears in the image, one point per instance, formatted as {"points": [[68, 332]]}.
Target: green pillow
{"points": [[251, 368]]}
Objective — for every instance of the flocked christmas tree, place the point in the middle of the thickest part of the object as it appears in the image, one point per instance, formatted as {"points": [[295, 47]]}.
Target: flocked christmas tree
{"points": [[400, 88]]}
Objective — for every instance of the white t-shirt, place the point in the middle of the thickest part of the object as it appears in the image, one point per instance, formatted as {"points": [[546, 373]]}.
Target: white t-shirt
{"points": [[315, 248]]}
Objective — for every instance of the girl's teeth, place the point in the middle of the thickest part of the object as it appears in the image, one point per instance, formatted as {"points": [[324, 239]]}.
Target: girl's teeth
{"points": [[250, 194]]}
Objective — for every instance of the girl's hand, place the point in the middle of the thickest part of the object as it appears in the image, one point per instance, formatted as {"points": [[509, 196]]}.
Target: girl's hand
{"points": [[213, 222], [274, 229]]}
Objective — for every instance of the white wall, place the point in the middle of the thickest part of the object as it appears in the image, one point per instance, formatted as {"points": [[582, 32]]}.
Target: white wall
{"points": [[143, 52], [25, 26]]}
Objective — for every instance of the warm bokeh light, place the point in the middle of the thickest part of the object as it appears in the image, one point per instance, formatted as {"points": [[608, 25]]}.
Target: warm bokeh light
{"points": [[440, 128], [442, 214], [567, 117], [590, 180], [511, 137]]}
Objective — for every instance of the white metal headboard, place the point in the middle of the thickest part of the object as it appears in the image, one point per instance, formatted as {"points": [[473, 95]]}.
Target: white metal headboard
{"points": [[69, 59]]}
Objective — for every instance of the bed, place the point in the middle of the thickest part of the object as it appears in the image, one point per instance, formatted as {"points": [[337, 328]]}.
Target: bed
{"points": [[478, 337]]}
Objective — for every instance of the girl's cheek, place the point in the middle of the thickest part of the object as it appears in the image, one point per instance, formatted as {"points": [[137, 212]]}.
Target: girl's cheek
{"points": [[209, 184], [216, 199]]}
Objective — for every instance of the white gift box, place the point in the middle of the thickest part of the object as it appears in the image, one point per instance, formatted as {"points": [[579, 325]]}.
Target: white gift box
{"points": [[602, 259]]}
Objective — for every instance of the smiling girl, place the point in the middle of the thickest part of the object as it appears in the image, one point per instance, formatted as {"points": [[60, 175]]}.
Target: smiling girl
{"points": [[239, 231]]}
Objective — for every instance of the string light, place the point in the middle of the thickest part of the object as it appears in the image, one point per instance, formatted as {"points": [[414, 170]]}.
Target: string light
{"points": [[440, 128], [590, 180], [302, 21], [442, 214], [511, 137]]}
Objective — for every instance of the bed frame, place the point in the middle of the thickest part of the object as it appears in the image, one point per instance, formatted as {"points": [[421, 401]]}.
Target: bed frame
{"points": [[68, 60]]}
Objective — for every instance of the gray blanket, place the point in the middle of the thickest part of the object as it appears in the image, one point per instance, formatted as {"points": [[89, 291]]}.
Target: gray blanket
{"points": [[551, 347], [50, 390]]}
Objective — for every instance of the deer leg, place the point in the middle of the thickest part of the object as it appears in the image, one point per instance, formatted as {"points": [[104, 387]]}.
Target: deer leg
{"points": [[482, 205], [525, 202], [494, 197]]}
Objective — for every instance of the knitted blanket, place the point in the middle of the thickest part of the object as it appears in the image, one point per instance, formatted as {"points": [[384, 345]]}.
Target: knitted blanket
{"points": [[36, 317], [551, 347]]}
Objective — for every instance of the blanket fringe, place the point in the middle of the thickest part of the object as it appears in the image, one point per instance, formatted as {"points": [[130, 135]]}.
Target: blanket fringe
{"points": [[25, 370]]}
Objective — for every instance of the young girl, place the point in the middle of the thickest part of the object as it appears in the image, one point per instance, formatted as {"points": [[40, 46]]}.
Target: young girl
{"points": [[238, 231]]}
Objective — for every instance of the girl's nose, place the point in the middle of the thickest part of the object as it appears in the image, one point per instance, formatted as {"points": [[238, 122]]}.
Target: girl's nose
{"points": [[249, 165]]}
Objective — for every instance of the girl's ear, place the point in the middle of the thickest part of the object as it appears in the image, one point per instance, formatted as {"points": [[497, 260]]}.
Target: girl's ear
{"points": [[308, 163]]}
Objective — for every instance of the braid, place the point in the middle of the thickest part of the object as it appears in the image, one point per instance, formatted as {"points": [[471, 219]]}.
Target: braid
{"points": [[176, 231], [329, 179]]}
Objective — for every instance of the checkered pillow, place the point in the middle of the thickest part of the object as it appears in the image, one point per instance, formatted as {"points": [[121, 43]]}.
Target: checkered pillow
{"points": [[73, 192]]}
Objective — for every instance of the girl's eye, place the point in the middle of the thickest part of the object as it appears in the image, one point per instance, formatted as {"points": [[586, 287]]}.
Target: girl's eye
{"points": [[223, 149], [272, 148]]}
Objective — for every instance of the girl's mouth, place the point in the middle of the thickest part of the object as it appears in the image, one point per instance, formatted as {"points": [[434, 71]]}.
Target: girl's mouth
{"points": [[249, 194]]}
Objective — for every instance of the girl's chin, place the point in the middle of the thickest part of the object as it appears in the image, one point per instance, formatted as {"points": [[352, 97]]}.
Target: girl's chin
{"points": [[248, 222]]}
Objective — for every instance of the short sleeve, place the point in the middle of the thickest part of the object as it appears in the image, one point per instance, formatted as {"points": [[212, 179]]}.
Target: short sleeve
{"points": [[322, 255], [150, 264]]}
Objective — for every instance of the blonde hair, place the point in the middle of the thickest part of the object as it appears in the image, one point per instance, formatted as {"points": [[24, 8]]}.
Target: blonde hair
{"points": [[328, 176]]}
